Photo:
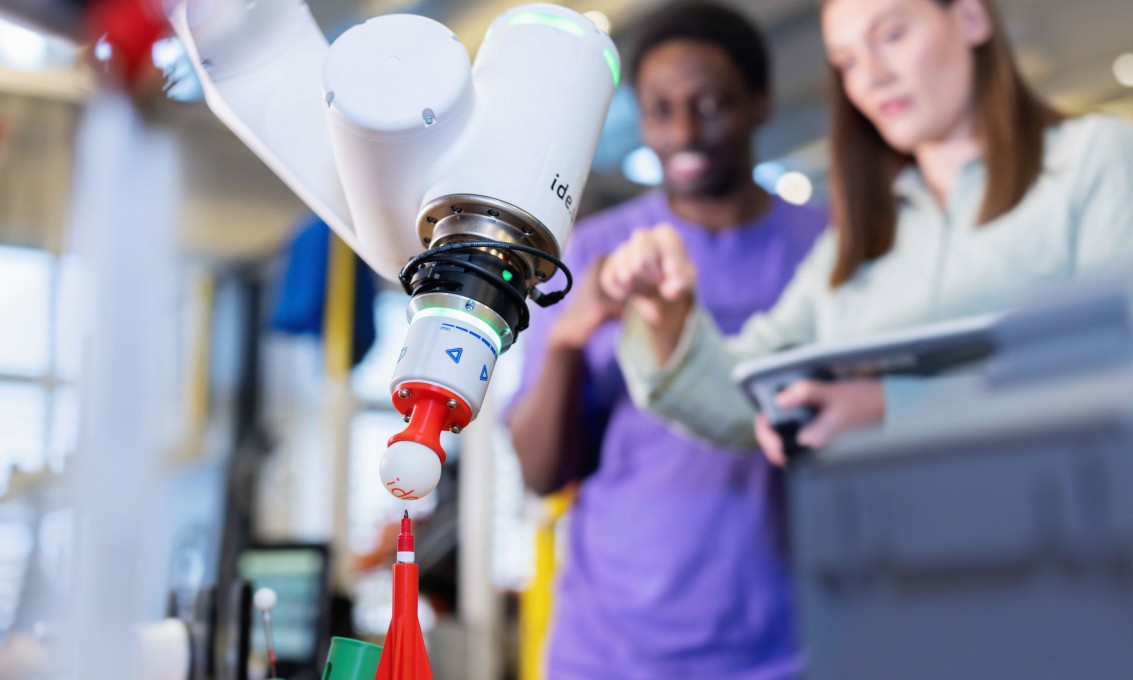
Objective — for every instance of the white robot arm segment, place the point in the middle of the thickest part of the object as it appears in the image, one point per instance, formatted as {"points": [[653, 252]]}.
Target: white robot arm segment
{"points": [[461, 181], [260, 66]]}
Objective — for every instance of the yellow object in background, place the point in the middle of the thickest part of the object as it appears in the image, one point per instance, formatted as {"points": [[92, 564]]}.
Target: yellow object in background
{"points": [[536, 601], [338, 323], [338, 347]]}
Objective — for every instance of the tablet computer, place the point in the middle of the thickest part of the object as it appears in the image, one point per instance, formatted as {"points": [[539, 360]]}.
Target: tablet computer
{"points": [[923, 350]]}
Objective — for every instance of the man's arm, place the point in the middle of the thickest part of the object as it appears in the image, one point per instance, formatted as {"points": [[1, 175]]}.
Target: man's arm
{"points": [[548, 427]]}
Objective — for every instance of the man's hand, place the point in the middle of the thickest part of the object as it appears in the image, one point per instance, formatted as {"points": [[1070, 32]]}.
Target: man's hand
{"points": [[841, 406], [653, 272], [587, 308]]}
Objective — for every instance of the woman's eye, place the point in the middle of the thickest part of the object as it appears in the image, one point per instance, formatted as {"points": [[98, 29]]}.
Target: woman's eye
{"points": [[893, 34]]}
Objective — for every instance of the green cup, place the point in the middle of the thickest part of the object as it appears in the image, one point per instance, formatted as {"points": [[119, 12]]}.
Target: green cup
{"points": [[351, 660]]}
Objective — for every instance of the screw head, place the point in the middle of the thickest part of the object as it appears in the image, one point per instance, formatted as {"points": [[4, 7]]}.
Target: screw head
{"points": [[493, 212], [455, 429], [403, 393], [452, 404], [469, 306], [527, 231], [457, 209], [405, 417], [541, 276], [431, 220]]}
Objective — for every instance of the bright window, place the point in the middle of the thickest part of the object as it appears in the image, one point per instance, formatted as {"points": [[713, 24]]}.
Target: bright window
{"points": [[39, 351]]}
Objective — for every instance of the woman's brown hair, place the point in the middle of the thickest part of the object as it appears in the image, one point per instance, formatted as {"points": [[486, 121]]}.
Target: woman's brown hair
{"points": [[1010, 121]]}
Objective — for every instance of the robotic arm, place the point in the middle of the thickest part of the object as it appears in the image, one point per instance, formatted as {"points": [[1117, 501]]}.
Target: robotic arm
{"points": [[459, 181]]}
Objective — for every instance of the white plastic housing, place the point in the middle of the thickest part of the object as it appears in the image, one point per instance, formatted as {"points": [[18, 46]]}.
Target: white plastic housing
{"points": [[260, 66], [448, 348], [516, 127], [380, 77], [412, 121]]}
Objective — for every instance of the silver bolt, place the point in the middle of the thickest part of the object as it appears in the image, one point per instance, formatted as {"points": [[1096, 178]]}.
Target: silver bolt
{"points": [[403, 393], [455, 429], [469, 306], [452, 404], [457, 209], [527, 231], [431, 220], [493, 212], [405, 417]]}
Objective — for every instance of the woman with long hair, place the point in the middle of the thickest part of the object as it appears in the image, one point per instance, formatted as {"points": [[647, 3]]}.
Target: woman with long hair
{"points": [[954, 189]]}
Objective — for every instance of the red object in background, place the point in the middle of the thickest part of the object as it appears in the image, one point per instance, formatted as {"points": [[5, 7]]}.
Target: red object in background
{"points": [[131, 27], [403, 653]]}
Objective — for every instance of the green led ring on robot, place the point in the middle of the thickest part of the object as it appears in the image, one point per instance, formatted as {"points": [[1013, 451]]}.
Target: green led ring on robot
{"points": [[450, 349]]}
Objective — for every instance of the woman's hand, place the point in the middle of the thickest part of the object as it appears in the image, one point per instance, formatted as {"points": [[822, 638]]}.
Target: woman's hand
{"points": [[842, 406], [653, 272]]}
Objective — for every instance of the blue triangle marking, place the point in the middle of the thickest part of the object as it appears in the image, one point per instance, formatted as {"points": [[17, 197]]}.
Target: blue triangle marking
{"points": [[484, 373], [455, 354]]}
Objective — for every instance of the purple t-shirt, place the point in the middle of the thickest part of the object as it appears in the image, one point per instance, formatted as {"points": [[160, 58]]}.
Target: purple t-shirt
{"points": [[675, 564]]}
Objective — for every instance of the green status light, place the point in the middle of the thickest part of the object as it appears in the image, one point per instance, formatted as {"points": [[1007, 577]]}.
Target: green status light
{"points": [[508, 276], [612, 62], [547, 19], [462, 317], [567, 26]]}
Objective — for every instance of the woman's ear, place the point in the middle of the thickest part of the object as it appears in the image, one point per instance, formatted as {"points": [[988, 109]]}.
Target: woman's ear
{"points": [[973, 20]]}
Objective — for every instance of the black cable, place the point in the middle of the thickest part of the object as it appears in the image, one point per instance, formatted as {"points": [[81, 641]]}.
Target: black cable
{"points": [[521, 303], [539, 297]]}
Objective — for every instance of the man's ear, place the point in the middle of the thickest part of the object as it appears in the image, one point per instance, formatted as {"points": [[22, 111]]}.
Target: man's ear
{"points": [[973, 20], [761, 108]]}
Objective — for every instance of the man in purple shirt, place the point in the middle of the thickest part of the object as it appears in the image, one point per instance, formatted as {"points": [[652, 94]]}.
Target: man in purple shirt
{"points": [[676, 566]]}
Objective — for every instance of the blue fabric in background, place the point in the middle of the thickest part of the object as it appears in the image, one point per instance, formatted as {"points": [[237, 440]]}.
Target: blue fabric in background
{"points": [[302, 299]]}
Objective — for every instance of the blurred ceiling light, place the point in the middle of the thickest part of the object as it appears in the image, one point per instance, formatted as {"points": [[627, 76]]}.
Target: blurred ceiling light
{"points": [[641, 166], [103, 50], [181, 81], [1123, 69], [21, 48], [167, 52], [794, 187], [767, 174], [600, 20]]}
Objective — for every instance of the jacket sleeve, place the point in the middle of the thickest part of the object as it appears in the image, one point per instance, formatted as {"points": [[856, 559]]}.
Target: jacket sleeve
{"points": [[694, 391]]}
